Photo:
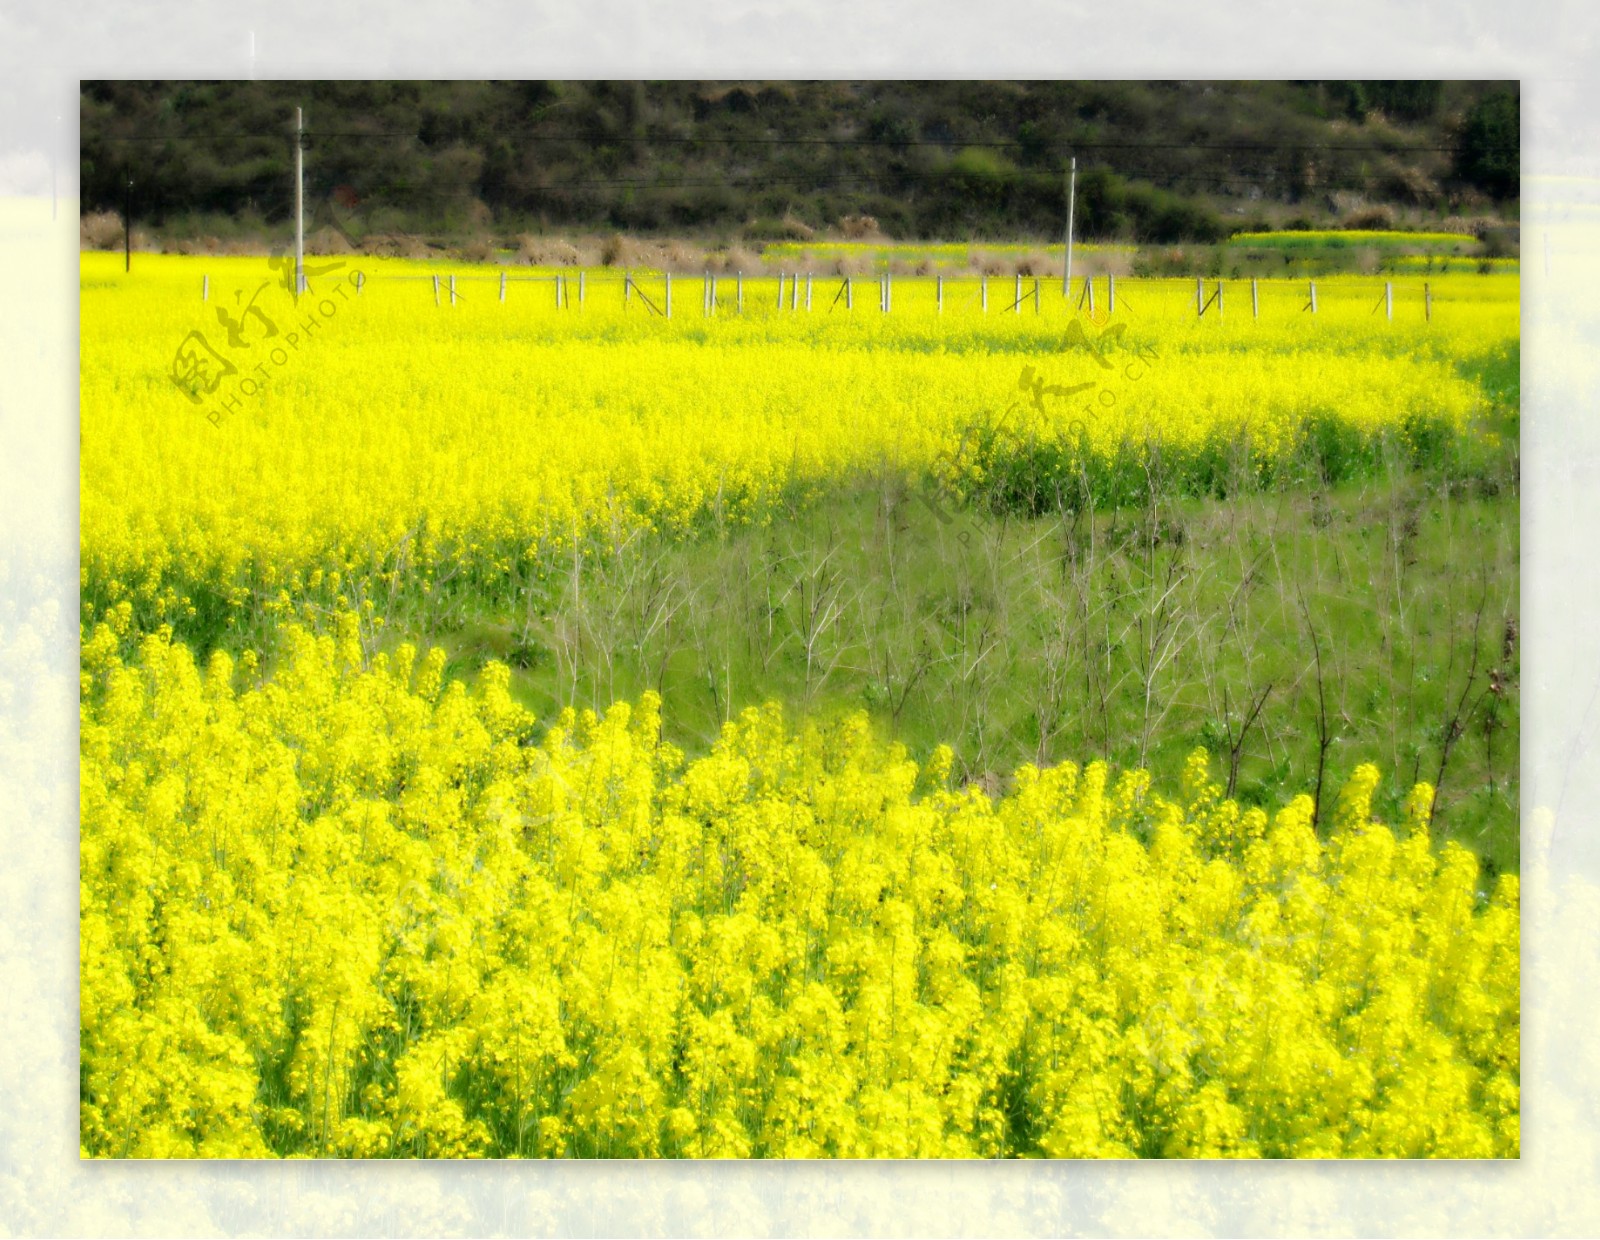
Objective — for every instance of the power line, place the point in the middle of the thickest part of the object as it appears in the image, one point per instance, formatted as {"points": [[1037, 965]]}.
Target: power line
{"points": [[889, 143], [828, 179]]}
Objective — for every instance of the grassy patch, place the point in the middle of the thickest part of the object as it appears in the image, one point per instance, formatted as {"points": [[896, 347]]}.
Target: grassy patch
{"points": [[1133, 635]]}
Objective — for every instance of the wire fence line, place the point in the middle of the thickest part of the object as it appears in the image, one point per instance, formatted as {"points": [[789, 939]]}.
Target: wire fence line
{"points": [[662, 294]]}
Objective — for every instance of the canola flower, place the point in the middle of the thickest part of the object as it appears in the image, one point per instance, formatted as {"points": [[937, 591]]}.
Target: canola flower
{"points": [[399, 440], [1432, 263], [352, 910]]}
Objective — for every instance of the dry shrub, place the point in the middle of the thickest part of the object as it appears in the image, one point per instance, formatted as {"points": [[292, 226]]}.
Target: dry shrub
{"points": [[986, 262], [101, 230], [588, 251], [479, 251], [851, 265], [1374, 219], [799, 229], [192, 246], [990, 264], [619, 251], [1116, 263], [1409, 185], [1467, 226], [547, 251], [734, 259], [681, 256], [328, 241], [859, 227], [394, 245]]}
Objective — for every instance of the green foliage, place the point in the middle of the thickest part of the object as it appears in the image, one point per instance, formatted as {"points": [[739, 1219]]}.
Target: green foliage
{"points": [[1490, 154], [925, 158]]}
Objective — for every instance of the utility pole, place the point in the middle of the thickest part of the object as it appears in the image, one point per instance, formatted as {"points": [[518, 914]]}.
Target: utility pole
{"points": [[299, 204], [127, 221], [1072, 198]]}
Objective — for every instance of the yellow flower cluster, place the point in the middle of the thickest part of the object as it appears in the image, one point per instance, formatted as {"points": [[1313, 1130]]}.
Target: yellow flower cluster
{"points": [[392, 438], [1354, 236], [352, 910]]}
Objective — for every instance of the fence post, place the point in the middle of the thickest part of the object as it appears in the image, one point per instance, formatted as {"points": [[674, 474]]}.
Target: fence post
{"points": [[205, 288], [1199, 297], [849, 294], [452, 288], [669, 294], [1088, 288], [1219, 299], [808, 292], [627, 288], [794, 291], [780, 290], [983, 293], [1313, 296], [502, 286], [705, 293], [361, 279], [1388, 300], [1111, 293], [938, 292], [436, 290], [580, 289], [1255, 299], [1036, 294], [1018, 306], [1427, 303]]}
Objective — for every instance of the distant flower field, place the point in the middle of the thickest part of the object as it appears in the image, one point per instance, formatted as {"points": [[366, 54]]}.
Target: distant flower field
{"points": [[1337, 238], [396, 436]]}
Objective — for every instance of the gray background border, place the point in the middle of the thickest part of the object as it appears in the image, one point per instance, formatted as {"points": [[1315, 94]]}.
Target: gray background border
{"points": [[44, 1190]]}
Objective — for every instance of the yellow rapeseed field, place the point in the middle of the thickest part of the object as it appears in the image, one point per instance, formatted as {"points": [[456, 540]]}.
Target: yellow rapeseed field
{"points": [[393, 436], [335, 903], [354, 911]]}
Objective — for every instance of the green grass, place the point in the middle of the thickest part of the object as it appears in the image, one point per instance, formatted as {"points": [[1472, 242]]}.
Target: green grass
{"points": [[1132, 636], [1127, 623]]}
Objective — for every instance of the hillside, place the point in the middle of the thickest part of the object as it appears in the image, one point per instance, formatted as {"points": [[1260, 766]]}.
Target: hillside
{"points": [[1157, 161]]}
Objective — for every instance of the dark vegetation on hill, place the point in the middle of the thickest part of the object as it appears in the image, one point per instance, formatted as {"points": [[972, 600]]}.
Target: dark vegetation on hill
{"points": [[1157, 161]]}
